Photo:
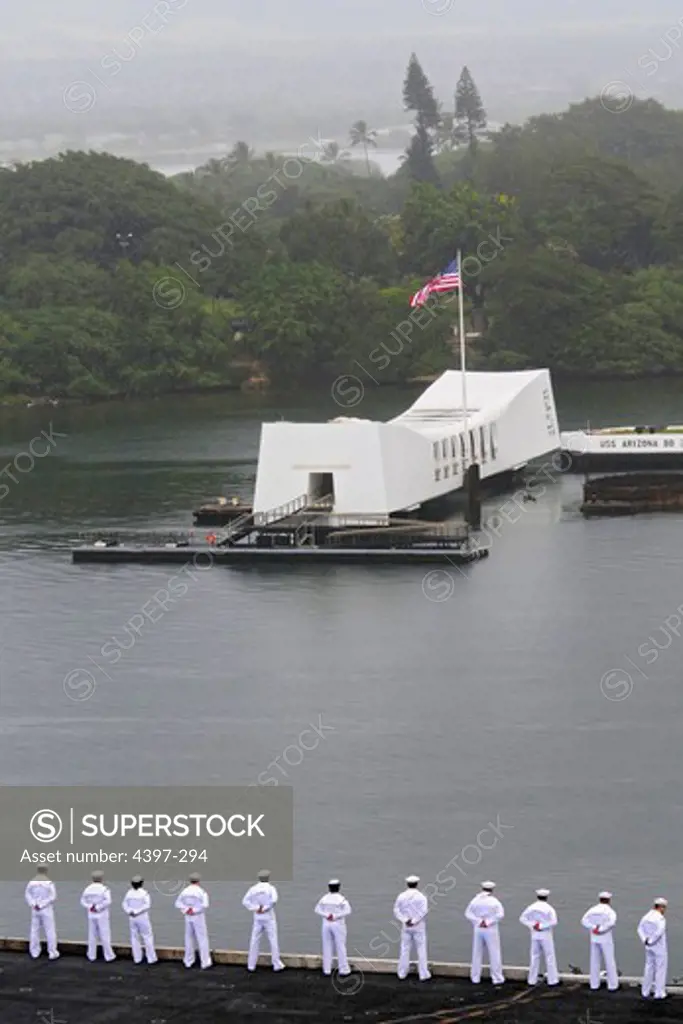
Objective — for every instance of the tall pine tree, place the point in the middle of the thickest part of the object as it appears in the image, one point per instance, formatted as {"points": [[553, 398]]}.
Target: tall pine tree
{"points": [[418, 96], [470, 116], [419, 159]]}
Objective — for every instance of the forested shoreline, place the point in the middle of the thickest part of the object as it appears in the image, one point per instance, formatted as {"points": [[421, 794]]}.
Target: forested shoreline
{"points": [[118, 282]]}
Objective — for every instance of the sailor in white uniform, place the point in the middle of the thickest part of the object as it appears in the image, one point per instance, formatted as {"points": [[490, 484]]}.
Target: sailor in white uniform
{"points": [[600, 921], [541, 919], [411, 909], [193, 901], [96, 900], [652, 933], [484, 912], [136, 904], [334, 909], [40, 894], [260, 899]]}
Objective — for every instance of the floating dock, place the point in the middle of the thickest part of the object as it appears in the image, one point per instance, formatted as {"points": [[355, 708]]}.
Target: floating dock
{"points": [[73, 991], [249, 554], [302, 532]]}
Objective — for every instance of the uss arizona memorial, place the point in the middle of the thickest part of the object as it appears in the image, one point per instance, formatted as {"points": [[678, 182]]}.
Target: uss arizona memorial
{"points": [[361, 467]]}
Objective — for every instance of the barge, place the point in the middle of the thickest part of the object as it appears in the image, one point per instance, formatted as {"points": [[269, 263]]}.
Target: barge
{"points": [[628, 494]]}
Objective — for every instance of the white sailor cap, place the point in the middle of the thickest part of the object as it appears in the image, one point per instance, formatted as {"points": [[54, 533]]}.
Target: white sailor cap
{"points": [[412, 880], [605, 895], [543, 893], [661, 902], [334, 881], [488, 886]]}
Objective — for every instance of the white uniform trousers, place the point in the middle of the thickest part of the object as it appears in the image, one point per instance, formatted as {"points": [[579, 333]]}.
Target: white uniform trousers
{"points": [[141, 934], [44, 919], [656, 963], [334, 944], [488, 938], [264, 923], [415, 934], [196, 939], [543, 945], [603, 947], [99, 933]]}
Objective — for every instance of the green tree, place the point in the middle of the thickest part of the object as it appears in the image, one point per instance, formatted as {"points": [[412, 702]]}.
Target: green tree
{"points": [[418, 95], [600, 208], [77, 203], [541, 304], [437, 222], [306, 319], [344, 236], [241, 155], [633, 342], [419, 159], [470, 116]]}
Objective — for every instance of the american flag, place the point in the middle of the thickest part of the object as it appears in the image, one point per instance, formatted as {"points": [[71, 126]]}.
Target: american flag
{"points": [[447, 281]]}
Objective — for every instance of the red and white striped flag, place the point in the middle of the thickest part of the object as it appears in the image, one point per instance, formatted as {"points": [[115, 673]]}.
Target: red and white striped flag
{"points": [[447, 281]]}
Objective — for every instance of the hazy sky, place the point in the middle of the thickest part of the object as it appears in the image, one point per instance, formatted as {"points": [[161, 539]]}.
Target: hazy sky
{"points": [[274, 70], [42, 28]]}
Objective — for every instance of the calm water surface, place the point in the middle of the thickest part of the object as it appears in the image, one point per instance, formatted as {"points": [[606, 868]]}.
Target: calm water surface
{"points": [[469, 700]]}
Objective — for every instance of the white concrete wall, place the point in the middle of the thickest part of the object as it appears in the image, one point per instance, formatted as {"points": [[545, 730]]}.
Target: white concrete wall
{"points": [[409, 468], [290, 452], [522, 430]]}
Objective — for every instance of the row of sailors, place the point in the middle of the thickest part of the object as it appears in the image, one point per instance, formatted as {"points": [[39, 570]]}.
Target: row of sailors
{"points": [[484, 912]]}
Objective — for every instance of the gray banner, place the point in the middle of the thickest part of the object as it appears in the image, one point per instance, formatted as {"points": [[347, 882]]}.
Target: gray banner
{"points": [[226, 833]]}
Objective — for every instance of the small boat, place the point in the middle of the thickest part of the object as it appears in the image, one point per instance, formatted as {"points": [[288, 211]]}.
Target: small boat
{"points": [[221, 511]]}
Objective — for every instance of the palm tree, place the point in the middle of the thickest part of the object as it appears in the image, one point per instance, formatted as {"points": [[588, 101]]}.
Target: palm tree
{"points": [[361, 135], [333, 153]]}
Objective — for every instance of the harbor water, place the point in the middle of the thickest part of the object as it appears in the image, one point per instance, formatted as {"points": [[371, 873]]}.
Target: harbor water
{"points": [[518, 720]]}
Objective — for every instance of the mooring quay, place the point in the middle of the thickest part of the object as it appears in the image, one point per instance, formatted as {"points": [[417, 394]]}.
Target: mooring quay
{"points": [[73, 991]]}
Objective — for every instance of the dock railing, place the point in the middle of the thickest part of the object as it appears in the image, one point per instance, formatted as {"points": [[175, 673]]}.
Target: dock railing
{"points": [[304, 503], [290, 508], [237, 528]]}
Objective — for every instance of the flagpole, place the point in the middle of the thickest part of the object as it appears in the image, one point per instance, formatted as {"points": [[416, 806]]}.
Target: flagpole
{"points": [[463, 367]]}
